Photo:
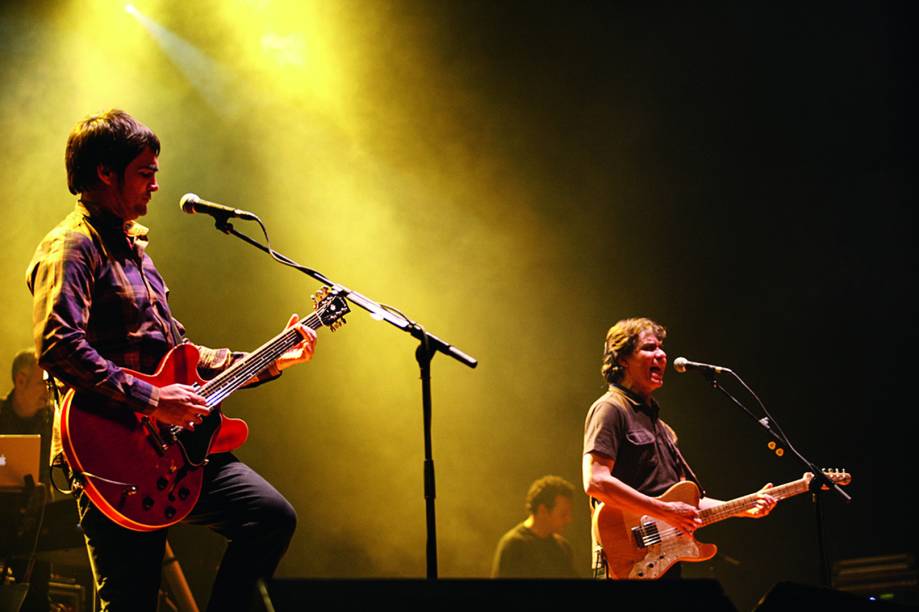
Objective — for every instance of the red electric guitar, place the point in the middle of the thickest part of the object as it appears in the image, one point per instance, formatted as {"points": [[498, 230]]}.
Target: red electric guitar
{"points": [[146, 475]]}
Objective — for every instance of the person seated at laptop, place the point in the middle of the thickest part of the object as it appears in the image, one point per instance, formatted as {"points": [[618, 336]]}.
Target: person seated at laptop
{"points": [[26, 410]]}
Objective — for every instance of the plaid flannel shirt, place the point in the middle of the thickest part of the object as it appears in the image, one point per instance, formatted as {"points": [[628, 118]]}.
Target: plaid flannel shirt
{"points": [[100, 305]]}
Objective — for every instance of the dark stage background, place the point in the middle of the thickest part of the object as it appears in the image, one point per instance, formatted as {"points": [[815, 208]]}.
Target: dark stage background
{"points": [[516, 176]]}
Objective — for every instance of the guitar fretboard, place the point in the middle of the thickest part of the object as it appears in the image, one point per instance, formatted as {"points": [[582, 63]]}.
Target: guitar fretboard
{"points": [[241, 372], [742, 504]]}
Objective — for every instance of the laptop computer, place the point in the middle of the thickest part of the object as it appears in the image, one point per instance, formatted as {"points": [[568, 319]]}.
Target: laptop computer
{"points": [[20, 456]]}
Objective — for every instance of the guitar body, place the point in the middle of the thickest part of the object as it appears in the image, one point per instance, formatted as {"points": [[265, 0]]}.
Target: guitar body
{"points": [[642, 547], [141, 474]]}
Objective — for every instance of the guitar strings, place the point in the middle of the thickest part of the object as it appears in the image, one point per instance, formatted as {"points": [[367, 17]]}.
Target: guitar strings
{"points": [[220, 388], [216, 390], [649, 534], [728, 509]]}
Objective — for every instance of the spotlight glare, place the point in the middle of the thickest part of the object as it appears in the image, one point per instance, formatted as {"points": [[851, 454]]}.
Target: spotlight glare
{"points": [[131, 9]]}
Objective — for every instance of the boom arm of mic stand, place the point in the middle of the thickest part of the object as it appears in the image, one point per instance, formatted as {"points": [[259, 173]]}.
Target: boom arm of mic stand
{"points": [[376, 310], [819, 479]]}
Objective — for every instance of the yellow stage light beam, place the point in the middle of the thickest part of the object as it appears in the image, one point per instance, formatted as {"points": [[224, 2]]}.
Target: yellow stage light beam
{"points": [[210, 78]]}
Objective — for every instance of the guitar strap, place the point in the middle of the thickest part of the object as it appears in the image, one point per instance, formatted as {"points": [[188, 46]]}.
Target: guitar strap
{"points": [[678, 456], [174, 329]]}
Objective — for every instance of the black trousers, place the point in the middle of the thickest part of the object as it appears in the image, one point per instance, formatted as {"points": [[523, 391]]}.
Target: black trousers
{"points": [[235, 502]]}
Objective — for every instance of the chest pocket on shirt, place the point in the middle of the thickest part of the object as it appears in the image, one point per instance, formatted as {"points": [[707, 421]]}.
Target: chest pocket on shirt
{"points": [[116, 305], [642, 448], [640, 437]]}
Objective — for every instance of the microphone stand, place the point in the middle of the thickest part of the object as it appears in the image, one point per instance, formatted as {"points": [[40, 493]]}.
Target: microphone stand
{"points": [[817, 483], [429, 345]]}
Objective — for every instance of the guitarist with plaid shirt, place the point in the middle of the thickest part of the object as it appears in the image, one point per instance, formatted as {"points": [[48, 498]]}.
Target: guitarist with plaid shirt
{"points": [[100, 307]]}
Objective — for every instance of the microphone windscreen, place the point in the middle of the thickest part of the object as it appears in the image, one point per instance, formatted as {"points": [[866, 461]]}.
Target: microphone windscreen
{"points": [[187, 203]]}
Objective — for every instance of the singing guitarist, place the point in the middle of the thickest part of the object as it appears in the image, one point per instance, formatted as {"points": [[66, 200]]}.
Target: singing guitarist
{"points": [[101, 309], [630, 453]]}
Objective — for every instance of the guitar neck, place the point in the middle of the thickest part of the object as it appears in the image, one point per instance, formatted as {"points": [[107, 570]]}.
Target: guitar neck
{"points": [[220, 387], [741, 504]]}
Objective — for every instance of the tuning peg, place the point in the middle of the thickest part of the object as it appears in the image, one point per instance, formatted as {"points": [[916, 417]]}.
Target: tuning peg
{"points": [[320, 294]]}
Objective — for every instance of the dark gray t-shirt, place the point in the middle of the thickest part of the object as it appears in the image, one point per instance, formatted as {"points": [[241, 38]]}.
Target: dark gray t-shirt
{"points": [[523, 554], [621, 427]]}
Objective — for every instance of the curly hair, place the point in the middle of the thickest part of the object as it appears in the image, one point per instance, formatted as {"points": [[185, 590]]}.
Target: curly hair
{"points": [[544, 491], [620, 343], [112, 139]]}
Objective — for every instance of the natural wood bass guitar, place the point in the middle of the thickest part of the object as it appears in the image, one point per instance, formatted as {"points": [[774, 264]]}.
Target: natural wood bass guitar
{"points": [[644, 548], [146, 475]]}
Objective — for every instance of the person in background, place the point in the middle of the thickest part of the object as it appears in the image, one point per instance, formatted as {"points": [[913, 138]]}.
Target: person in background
{"points": [[26, 410], [536, 547]]}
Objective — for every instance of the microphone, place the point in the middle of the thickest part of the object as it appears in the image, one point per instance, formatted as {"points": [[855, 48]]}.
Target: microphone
{"points": [[191, 204], [681, 364]]}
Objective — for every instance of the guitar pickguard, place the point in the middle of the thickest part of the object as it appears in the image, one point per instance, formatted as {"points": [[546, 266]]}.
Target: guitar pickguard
{"points": [[670, 546]]}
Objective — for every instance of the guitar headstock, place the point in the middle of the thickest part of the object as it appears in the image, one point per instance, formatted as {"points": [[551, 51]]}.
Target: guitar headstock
{"points": [[836, 476], [330, 308]]}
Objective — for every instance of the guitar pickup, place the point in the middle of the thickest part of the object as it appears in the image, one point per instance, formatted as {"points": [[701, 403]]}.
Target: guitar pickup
{"points": [[154, 436], [646, 534]]}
